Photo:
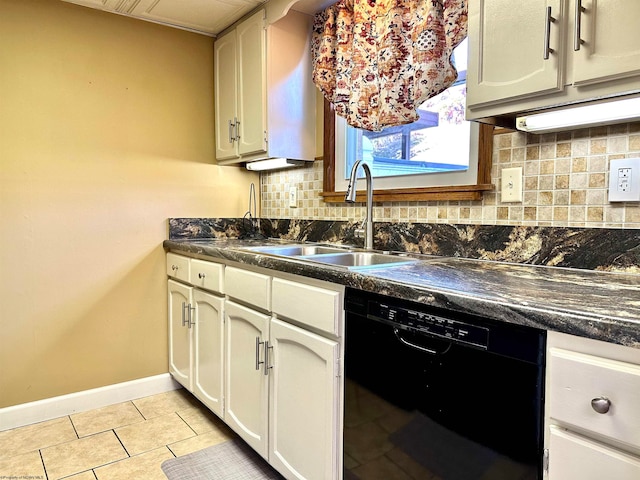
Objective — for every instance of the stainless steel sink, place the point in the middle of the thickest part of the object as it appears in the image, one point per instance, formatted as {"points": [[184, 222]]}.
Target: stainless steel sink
{"points": [[296, 250], [353, 260], [336, 256]]}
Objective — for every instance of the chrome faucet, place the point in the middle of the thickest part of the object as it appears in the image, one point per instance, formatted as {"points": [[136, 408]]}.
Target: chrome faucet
{"points": [[350, 197]]}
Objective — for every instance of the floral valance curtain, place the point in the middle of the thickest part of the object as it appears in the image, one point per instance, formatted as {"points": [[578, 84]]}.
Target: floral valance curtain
{"points": [[378, 60]]}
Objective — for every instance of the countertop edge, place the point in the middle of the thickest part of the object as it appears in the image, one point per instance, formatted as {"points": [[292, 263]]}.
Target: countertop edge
{"points": [[533, 313]]}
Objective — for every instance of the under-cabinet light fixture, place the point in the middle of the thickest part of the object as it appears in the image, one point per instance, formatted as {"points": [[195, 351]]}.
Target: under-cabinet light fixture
{"points": [[606, 113], [274, 164]]}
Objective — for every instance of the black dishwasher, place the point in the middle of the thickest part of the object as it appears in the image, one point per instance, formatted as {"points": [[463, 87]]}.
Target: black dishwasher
{"points": [[435, 394]]}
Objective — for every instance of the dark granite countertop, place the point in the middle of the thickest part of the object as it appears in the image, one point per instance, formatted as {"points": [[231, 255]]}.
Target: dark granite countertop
{"points": [[599, 305]]}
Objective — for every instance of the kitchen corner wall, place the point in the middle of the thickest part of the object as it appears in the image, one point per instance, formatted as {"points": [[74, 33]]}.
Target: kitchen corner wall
{"points": [[106, 131], [565, 185]]}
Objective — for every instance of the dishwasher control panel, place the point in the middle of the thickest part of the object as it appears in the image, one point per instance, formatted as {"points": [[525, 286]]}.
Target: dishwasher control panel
{"points": [[431, 324]]}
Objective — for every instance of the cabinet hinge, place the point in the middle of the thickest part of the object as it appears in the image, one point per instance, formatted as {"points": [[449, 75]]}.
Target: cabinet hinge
{"points": [[545, 460], [338, 371]]}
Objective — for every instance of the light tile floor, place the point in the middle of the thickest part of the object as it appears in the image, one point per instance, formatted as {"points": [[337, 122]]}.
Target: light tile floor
{"points": [[127, 440]]}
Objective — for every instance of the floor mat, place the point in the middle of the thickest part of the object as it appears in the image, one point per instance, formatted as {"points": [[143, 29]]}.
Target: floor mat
{"points": [[231, 460]]}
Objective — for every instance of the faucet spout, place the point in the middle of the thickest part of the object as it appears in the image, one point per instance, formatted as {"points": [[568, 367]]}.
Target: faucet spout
{"points": [[351, 198]]}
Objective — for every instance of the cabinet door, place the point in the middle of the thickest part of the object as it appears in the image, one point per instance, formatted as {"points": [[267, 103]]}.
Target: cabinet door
{"points": [[506, 50], [252, 84], [573, 457], [225, 94], [209, 350], [305, 440], [611, 48], [180, 333], [246, 386]]}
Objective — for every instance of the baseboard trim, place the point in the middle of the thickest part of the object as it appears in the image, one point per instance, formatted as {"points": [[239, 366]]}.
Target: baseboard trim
{"points": [[49, 408]]}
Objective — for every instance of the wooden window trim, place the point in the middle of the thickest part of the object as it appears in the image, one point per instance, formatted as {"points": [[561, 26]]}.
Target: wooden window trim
{"points": [[456, 192]]}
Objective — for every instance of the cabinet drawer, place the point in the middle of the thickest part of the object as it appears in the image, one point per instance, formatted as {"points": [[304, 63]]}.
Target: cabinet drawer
{"points": [[248, 287], [178, 267], [573, 457], [576, 378], [207, 275], [311, 306]]}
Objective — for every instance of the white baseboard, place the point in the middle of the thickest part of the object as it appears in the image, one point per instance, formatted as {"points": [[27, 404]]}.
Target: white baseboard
{"points": [[49, 408]]}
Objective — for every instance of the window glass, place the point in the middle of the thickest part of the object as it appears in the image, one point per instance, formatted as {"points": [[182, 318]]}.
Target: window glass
{"points": [[437, 145]]}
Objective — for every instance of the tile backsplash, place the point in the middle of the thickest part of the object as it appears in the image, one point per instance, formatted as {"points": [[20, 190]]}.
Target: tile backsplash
{"points": [[566, 178]]}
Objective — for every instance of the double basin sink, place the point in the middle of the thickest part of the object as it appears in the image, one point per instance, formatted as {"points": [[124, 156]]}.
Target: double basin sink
{"points": [[337, 256]]}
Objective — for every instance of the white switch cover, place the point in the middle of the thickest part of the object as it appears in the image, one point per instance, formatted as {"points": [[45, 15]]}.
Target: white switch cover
{"points": [[624, 180], [293, 197], [512, 184]]}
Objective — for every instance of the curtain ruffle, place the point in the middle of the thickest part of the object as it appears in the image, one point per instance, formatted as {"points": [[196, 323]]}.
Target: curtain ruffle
{"points": [[378, 61]]}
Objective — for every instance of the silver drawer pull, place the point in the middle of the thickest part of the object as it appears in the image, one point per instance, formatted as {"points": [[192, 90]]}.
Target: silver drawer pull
{"points": [[201, 275], [601, 404], [174, 267]]}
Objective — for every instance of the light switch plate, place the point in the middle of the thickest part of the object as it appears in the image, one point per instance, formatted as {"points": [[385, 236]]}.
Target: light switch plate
{"points": [[512, 184], [293, 197], [624, 180]]}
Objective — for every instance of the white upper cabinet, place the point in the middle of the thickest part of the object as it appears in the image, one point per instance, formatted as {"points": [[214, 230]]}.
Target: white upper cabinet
{"points": [[547, 53], [240, 89], [209, 17], [265, 100], [609, 44], [508, 62]]}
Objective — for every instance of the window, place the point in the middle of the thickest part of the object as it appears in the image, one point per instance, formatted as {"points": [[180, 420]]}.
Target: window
{"points": [[429, 145], [424, 160]]}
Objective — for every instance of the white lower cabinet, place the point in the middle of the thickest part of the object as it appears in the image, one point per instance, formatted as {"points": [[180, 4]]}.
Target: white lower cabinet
{"points": [[304, 403], [208, 332], [196, 333], [247, 386], [593, 410], [284, 384], [282, 392], [576, 457], [266, 358], [180, 337]]}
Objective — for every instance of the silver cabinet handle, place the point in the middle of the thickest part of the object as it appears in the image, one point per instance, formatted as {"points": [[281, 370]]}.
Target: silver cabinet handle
{"points": [[547, 34], [201, 275], [237, 127], [174, 267], [184, 316], [190, 321], [231, 137], [267, 367], [601, 404], [577, 41], [258, 362]]}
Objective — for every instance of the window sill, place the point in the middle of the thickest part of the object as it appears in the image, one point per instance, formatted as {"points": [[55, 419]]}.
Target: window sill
{"points": [[460, 192]]}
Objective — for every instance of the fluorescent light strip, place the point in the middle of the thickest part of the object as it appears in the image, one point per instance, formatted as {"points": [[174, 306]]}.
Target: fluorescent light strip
{"points": [[274, 164], [617, 111]]}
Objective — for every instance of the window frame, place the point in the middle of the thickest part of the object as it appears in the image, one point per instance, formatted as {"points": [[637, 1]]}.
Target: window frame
{"points": [[453, 192]]}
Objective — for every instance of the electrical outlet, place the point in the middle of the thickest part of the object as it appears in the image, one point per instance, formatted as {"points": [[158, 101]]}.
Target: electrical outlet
{"points": [[293, 197], [624, 180], [512, 184]]}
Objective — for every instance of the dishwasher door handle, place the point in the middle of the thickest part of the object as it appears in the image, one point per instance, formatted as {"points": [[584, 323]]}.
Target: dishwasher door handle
{"points": [[413, 345]]}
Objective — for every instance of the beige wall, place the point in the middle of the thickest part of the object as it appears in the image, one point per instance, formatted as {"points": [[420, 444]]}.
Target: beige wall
{"points": [[106, 130], [566, 178]]}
